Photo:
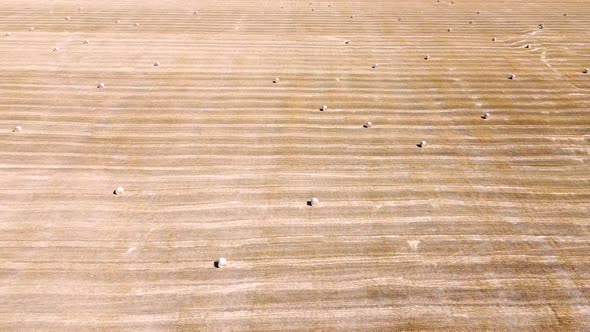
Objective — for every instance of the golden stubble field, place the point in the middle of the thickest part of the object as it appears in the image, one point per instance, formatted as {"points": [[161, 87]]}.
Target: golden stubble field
{"points": [[487, 227]]}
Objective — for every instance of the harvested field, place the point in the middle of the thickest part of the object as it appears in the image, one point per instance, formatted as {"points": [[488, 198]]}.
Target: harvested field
{"points": [[486, 227]]}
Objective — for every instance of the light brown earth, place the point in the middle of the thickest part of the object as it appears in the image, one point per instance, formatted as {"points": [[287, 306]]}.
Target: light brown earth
{"points": [[487, 228]]}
